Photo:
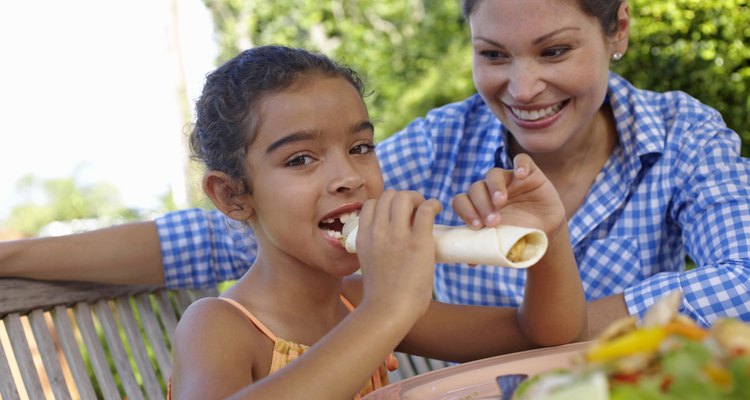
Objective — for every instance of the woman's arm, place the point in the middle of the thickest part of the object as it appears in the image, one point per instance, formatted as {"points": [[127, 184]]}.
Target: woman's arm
{"points": [[191, 248], [553, 311], [122, 254]]}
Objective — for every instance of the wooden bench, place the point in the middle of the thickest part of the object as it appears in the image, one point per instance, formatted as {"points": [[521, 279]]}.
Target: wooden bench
{"points": [[68, 340]]}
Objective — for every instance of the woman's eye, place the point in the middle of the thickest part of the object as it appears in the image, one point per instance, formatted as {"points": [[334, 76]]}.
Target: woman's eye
{"points": [[363, 148], [492, 54], [299, 161], [555, 52]]}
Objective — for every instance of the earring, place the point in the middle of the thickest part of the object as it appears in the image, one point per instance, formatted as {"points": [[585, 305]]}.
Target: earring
{"points": [[617, 56]]}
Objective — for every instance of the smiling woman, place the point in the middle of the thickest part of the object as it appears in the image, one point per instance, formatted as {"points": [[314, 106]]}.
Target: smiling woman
{"points": [[89, 95]]}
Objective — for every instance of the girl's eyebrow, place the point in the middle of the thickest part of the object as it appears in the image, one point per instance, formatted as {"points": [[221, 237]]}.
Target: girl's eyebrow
{"points": [[309, 135], [536, 41], [364, 126], [291, 138]]}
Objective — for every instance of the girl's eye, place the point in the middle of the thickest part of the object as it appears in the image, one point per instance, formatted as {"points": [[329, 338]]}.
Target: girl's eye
{"points": [[362, 148], [555, 52], [299, 160]]}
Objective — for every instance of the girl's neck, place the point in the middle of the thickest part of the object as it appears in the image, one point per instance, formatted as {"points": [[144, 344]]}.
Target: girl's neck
{"points": [[289, 288]]}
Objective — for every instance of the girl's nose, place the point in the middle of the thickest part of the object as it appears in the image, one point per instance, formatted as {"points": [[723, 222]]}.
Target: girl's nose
{"points": [[345, 177], [524, 83]]}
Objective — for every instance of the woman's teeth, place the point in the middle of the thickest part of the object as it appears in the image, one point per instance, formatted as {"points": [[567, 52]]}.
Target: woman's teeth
{"points": [[536, 114]]}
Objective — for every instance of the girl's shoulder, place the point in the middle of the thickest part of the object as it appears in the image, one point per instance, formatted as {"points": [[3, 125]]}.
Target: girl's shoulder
{"points": [[213, 339], [214, 321]]}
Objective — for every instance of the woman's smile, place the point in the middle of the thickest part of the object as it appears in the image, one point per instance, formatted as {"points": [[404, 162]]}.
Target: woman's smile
{"points": [[534, 118]]}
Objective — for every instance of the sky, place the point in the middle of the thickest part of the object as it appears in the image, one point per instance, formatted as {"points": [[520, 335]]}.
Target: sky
{"points": [[88, 89]]}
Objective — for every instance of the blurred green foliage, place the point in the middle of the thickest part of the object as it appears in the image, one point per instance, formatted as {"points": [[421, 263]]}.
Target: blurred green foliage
{"points": [[63, 199], [701, 47], [415, 54]]}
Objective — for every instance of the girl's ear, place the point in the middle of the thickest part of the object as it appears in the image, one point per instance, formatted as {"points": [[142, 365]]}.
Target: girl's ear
{"points": [[620, 39], [229, 195]]}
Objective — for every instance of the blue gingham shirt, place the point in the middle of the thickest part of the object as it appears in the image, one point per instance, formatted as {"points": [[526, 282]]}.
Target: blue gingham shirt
{"points": [[674, 185]]}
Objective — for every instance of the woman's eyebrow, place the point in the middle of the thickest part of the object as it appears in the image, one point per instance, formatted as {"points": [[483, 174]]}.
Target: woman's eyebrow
{"points": [[553, 33], [536, 41]]}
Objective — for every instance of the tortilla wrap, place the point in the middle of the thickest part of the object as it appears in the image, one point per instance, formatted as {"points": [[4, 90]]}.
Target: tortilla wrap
{"points": [[487, 246]]}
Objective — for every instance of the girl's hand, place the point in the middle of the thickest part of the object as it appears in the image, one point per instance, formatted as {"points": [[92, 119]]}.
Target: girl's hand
{"points": [[396, 250], [523, 196]]}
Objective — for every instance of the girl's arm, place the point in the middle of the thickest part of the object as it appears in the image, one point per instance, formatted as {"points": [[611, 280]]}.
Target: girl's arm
{"points": [[213, 359]]}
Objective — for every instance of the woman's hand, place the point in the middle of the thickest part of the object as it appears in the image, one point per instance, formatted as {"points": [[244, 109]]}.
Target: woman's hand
{"points": [[523, 197], [396, 249]]}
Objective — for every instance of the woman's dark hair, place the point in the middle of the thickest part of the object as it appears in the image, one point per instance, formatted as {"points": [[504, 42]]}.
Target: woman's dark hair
{"points": [[227, 113], [603, 10]]}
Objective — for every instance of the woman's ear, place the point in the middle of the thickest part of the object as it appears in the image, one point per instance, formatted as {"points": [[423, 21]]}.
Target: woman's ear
{"points": [[620, 38], [229, 195]]}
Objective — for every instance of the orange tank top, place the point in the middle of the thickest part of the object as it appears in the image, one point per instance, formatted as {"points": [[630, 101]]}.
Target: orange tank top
{"points": [[286, 351]]}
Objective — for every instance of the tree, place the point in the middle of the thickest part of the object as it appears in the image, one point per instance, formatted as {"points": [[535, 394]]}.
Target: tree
{"points": [[415, 54], [701, 47], [63, 199]]}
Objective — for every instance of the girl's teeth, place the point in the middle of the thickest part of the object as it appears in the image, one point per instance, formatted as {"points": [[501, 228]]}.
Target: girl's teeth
{"points": [[347, 217], [333, 234]]}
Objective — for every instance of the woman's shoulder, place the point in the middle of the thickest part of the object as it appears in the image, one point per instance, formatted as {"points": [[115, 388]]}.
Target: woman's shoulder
{"points": [[669, 105]]}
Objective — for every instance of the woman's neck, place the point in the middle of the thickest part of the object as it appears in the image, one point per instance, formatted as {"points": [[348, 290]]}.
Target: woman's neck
{"points": [[573, 168]]}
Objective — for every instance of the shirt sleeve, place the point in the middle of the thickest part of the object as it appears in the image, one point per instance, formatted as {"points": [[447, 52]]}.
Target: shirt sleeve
{"points": [[712, 209], [406, 157], [201, 248]]}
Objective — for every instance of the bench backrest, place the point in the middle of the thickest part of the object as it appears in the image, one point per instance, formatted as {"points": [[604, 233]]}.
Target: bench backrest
{"points": [[83, 340]]}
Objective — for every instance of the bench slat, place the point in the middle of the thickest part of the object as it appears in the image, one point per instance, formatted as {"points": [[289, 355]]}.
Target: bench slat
{"points": [[8, 389], [48, 352], [166, 312], [117, 351], [132, 332], [73, 358], [155, 334], [24, 358], [97, 357]]}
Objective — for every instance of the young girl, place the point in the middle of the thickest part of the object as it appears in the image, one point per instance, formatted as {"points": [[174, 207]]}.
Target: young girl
{"points": [[289, 150]]}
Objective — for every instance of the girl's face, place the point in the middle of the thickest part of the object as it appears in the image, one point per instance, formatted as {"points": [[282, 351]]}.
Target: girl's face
{"points": [[542, 67], [312, 161]]}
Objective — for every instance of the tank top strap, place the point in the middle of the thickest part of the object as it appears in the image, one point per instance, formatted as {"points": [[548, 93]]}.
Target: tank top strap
{"points": [[346, 302], [251, 317]]}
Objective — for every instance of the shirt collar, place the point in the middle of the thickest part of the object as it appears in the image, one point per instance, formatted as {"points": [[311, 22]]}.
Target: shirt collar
{"points": [[638, 121]]}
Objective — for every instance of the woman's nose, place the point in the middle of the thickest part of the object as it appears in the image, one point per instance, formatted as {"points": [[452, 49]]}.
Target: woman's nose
{"points": [[524, 83]]}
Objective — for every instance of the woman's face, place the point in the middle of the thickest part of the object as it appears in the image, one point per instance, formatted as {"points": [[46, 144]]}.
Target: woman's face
{"points": [[542, 67], [312, 161]]}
